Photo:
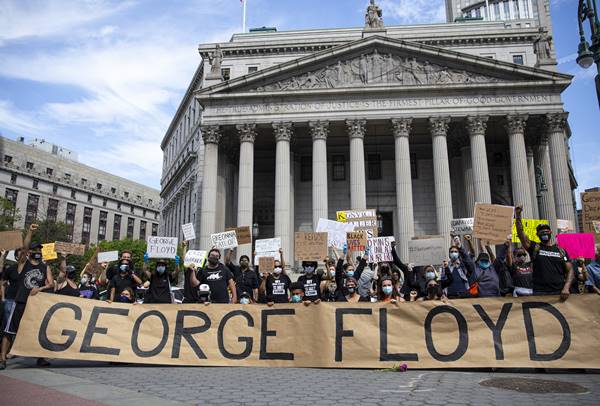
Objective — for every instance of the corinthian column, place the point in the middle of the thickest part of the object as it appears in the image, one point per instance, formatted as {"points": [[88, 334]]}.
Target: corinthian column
{"points": [[521, 190], [404, 197], [319, 131], [556, 123], [283, 223], [476, 126], [358, 188], [247, 133], [211, 136], [441, 173]]}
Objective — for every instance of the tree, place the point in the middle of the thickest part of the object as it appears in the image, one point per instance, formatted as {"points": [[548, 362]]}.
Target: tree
{"points": [[50, 231], [9, 215]]}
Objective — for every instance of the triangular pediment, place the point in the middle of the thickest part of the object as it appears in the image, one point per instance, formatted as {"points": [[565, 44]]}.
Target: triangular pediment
{"points": [[382, 62]]}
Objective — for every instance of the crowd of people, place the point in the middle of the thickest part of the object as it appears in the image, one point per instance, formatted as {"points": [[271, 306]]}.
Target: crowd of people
{"points": [[527, 269]]}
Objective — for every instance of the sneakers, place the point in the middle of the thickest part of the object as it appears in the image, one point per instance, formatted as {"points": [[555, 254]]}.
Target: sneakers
{"points": [[41, 362]]}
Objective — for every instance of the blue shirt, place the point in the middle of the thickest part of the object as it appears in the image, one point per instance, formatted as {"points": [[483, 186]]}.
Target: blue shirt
{"points": [[593, 270]]}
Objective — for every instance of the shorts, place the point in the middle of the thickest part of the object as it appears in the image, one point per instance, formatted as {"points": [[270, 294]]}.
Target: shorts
{"points": [[15, 318]]}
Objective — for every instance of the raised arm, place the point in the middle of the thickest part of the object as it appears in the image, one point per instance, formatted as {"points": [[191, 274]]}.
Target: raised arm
{"points": [[281, 258], [403, 267], [193, 279], [520, 231], [509, 257], [228, 255], [490, 252]]}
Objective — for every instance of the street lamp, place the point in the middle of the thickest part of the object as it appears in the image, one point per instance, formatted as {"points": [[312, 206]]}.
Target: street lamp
{"points": [[586, 54]]}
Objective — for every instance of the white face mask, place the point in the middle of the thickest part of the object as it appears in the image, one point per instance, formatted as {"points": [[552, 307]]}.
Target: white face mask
{"points": [[277, 271], [84, 280]]}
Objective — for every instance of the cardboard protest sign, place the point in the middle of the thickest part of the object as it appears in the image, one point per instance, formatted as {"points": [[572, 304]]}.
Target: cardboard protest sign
{"points": [[188, 232], [162, 247], [336, 232], [195, 258], [357, 241], [310, 246], [596, 225], [590, 212], [493, 222], [529, 227], [432, 251], [48, 252], [362, 220], [243, 234], [462, 226], [108, 256], [565, 225], [380, 249], [266, 264], [268, 247], [227, 239], [578, 245], [10, 240], [68, 248], [537, 332]]}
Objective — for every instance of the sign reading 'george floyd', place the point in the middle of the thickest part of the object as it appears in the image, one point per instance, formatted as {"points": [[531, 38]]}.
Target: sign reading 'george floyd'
{"points": [[468, 333]]}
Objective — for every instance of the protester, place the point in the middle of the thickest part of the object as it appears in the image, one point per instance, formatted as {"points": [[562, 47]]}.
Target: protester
{"points": [[310, 281], [246, 279], [277, 286], [387, 293], [126, 278], [435, 289], [160, 279], [520, 270], [126, 295], [485, 277], [190, 293], [110, 273], [298, 294], [245, 298], [328, 292], [218, 277], [552, 271], [350, 293], [264, 276], [87, 287], [593, 271], [65, 282], [579, 276], [8, 292], [204, 294], [461, 266]]}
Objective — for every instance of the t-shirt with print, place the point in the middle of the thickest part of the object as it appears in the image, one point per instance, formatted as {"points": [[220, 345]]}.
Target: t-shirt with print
{"points": [[312, 286], [549, 269], [32, 276], [277, 289], [218, 280], [522, 276]]}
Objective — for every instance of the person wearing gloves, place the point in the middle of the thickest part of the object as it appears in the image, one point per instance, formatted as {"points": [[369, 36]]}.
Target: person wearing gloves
{"points": [[461, 267], [160, 279]]}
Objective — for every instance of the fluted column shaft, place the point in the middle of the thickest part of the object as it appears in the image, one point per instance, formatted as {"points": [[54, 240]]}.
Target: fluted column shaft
{"points": [[358, 187], [465, 153], [404, 195], [247, 133], [441, 173], [531, 175], [545, 183], [211, 136], [521, 190], [556, 123], [319, 131], [283, 223], [477, 125]]}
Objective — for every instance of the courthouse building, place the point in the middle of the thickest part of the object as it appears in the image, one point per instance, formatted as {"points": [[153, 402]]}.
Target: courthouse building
{"points": [[279, 129]]}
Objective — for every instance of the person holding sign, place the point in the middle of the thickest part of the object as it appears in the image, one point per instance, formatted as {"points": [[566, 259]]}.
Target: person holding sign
{"points": [[593, 271], [263, 276], [552, 271], [311, 282], [461, 266], [277, 286], [246, 280], [218, 278], [520, 270], [160, 279]]}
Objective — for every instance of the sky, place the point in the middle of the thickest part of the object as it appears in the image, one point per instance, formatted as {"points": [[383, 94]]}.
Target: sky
{"points": [[105, 77]]}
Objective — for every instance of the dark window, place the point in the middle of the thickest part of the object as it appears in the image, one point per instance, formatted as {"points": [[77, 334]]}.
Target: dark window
{"points": [[32, 209], [339, 167], [70, 219], [130, 226], [414, 173], [145, 211], [104, 201], [374, 166], [7, 159], [35, 184], [52, 212], [126, 194], [252, 69], [118, 205], [518, 59], [154, 229], [11, 196], [98, 186], [54, 189], [226, 73], [132, 209], [73, 194], [500, 180], [13, 178], [113, 190], [67, 176], [498, 158], [306, 169], [89, 198], [87, 225], [142, 230], [150, 202], [117, 227], [49, 171], [102, 226], [29, 165]]}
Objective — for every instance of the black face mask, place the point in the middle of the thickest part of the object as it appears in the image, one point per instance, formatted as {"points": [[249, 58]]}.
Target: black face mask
{"points": [[213, 261], [36, 256], [433, 292]]}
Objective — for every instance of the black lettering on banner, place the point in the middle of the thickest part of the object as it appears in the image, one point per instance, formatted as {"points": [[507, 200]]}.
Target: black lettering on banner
{"points": [[188, 332], [136, 331], [383, 347], [43, 339], [566, 339], [496, 328], [463, 334], [92, 329], [340, 333], [265, 332], [248, 340]]}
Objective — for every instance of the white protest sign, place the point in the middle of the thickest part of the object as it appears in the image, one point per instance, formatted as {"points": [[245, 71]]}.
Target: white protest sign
{"points": [[336, 232], [431, 251], [462, 226], [108, 256], [268, 247], [228, 239], [11, 256], [380, 249], [564, 225], [195, 258], [188, 232], [162, 247]]}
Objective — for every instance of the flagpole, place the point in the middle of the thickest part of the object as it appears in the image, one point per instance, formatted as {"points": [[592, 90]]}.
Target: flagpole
{"points": [[244, 17]]}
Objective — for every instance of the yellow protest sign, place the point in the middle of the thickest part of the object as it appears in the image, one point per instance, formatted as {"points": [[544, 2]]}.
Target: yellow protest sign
{"points": [[529, 226], [48, 252]]}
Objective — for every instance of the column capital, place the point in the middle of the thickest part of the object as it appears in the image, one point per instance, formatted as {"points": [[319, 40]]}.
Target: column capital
{"points": [[247, 132], [356, 128], [319, 130], [556, 121], [516, 123], [402, 126], [211, 134], [476, 125], [283, 131], [439, 125]]}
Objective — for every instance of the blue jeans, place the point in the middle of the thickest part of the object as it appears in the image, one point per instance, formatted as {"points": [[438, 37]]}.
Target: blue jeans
{"points": [[9, 306]]}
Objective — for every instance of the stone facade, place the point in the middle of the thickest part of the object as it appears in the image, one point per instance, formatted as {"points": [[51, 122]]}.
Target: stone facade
{"points": [[99, 206]]}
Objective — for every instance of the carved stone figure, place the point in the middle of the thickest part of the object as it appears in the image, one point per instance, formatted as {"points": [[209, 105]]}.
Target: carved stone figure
{"points": [[373, 16], [543, 45], [216, 59]]}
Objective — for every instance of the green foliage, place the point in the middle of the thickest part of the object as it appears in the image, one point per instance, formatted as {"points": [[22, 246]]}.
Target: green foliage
{"points": [[9, 215], [50, 231]]}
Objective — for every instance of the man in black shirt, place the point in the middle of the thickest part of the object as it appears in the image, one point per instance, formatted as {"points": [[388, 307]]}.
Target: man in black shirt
{"points": [[218, 278], [124, 279], [111, 272], [160, 278], [246, 280], [552, 270], [8, 292], [311, 282]]}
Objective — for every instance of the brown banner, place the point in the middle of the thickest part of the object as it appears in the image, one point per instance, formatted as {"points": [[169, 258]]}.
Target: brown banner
{"points": [[469, 333]]}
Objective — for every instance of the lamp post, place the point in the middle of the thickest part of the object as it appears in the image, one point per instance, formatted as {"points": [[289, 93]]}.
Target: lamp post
{"points": [[586, 54]]}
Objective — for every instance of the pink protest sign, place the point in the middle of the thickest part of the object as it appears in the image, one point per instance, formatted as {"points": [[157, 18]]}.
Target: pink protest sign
{"points": [[577, 245]]}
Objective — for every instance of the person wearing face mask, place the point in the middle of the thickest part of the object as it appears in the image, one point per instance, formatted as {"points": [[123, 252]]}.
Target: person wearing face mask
{"points": [[414, 278], [218, 278], [246, 279], [263, 276], [593, 271], [160, 279], [245, 298], [277, 286], [298, 294], [552, 270], [87, 287], [347, 270], [461, 266], [387, 294], [110, 272], [124, 279], [435, 290], [64, 284], [486, 276], [126, 296], [349, 293], [520, 270], [310, 281]]}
